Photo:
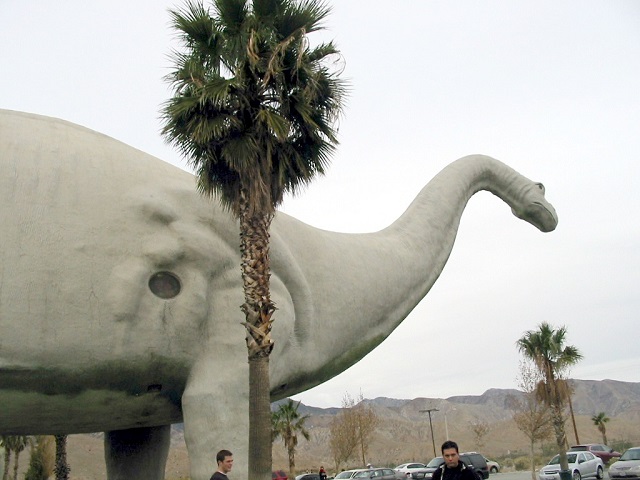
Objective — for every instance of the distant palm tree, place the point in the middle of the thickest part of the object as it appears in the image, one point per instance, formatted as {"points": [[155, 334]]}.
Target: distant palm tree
{"points": [[545, 347], [254, 112], [288, 423], [599, 421], [15, 444], [5, 442]]}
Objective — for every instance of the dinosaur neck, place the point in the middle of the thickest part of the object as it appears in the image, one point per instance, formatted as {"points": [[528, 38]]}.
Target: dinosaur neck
{"points": [[377, 279], [430, 223]]}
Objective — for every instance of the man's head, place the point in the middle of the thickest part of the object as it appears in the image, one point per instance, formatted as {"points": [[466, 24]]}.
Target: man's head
{"points": [[450, 454], [225, 461]]}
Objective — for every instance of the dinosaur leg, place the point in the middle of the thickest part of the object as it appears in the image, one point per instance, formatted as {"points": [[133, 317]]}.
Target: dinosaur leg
{"points": [[216, 411], [137, 453]]}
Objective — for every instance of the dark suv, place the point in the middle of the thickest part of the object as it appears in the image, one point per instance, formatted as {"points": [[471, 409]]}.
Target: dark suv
{"points": [[472, 459]]}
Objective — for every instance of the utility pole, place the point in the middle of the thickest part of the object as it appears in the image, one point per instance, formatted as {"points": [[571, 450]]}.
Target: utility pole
{"points": [[433, 440]]}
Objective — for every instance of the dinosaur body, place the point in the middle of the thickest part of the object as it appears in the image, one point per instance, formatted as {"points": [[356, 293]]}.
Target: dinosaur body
{"points": [[94, 336]]}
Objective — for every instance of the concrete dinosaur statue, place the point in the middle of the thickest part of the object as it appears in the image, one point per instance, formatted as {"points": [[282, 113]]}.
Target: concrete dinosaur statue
{"points": [[120, 291]]}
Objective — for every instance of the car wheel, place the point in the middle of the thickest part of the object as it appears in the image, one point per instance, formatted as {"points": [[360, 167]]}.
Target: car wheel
{"points": [[494, 470], [600, 473], [576, 475], [479, 476]]}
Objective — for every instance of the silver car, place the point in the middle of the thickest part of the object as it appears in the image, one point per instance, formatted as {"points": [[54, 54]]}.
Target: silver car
{"points": [[581, 464], [627, 467], [376, 474], [349, 473]]}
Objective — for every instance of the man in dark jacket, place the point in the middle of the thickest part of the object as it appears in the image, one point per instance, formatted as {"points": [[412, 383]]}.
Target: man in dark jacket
{"points": [[453, 468]]}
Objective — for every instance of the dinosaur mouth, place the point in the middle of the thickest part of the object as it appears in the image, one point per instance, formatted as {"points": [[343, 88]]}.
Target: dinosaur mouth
{"points": [[545, 216], [542, 216]]}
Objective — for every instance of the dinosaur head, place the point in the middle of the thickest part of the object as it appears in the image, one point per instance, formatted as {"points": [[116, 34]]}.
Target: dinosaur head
{"points": [[535, 209]]}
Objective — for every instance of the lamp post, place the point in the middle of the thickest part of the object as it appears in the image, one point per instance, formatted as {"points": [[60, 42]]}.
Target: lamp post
{"points": [[433, 440], [446, 424]]}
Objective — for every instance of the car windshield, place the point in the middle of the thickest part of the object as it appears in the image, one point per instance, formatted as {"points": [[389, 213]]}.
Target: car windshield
{"points": [[631, 454], [364, 474], [571, 458], [436, 462]]}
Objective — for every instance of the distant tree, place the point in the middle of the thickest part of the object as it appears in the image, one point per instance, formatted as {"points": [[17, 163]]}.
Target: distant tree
{"points": [[546, 348], [13, 444], [287, 423], [366, 423], [480, 430], [352, 429], [343, 439], [529, 413], [599, 421], [5, 442], [62, 468]]}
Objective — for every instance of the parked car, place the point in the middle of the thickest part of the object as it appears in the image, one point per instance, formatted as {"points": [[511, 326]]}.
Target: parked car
{"points": [[279, 475], [598, 449], [471, 459], [628, 466], [494, 467], [349, 473], [427, 471], [405, 469], [308, 476], [376, 474], [581, 464]]}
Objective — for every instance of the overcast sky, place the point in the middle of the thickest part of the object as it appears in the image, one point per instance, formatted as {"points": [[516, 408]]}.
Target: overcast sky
{"points": [[548, 87]]}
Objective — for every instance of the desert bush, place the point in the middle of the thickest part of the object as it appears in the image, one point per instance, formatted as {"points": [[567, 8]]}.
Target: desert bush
{"points": [[620, 445]]}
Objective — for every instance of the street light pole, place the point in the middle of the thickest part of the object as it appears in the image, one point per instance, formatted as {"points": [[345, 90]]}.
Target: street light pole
{"points": [[446, 425], [433, 440]]}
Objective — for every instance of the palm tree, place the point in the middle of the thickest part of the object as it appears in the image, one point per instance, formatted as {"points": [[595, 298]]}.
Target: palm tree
{"points": [[253, 111], [15, 444], [599, 421], [545, 347], [288, 423], [5, 442]]}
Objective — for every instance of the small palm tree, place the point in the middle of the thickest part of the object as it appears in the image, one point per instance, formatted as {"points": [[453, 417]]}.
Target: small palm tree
{"points": [[13, 444], [5, 442], [253, 112], [288, 423], [545, 347], [599, 421]]}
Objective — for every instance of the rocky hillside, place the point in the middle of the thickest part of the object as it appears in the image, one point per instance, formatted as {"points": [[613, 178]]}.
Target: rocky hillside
{"points": [[404, 434]]}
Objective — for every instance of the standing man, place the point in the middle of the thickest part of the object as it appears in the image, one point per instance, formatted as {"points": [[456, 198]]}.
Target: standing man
{"points": [[453, 468], [225, 462]]}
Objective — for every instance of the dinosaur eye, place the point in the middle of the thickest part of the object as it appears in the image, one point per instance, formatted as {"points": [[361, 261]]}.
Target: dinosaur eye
{"points": [[165, 285], [540, 186]]}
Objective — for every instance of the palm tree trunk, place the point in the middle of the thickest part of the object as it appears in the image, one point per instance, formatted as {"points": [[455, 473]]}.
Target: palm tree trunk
{"points": [[260, 419], [573, 418], [61, 469], [292, 461], [558, 421], [7, 460], [15, 464], [258, 309]]}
